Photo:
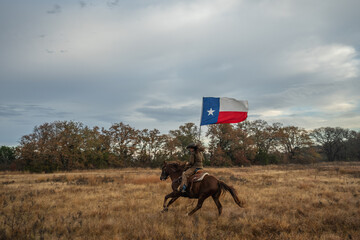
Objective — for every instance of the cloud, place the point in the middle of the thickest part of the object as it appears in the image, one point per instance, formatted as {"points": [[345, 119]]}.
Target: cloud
{"points": [[149, 63], [272, 113], [10, 111], [112, 3], [169, 114], [82, 4], [340, 107], [56, 9], [333, 61]]}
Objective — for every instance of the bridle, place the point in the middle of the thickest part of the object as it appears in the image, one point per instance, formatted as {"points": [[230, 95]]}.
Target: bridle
{"points": [[164, 174]]}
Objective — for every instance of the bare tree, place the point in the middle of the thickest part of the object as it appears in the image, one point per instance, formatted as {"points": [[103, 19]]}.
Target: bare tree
{"points": [[332, 140]]}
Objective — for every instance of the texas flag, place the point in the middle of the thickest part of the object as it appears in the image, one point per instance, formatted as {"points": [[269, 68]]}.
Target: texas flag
{"points": [[223, 110]]}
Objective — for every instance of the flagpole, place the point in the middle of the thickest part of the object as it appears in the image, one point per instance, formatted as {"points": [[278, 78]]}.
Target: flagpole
{"points": [[200, 134], [202, 105]]}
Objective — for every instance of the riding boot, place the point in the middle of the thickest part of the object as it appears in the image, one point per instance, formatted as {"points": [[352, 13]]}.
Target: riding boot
{"points": [[183, 190], [183, 181]]}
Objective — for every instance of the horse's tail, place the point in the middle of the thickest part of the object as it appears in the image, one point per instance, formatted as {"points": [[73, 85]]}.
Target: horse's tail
{"points": [[224, 187]]}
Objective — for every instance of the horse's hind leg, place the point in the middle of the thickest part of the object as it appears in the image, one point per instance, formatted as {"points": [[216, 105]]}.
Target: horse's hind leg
{"points": [[199, 204], [218, 204]]}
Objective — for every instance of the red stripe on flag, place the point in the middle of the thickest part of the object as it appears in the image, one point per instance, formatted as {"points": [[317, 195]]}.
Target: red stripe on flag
{"points": [[231, 117]]}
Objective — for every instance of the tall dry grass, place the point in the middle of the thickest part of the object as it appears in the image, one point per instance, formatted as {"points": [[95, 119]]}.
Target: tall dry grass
{"points": [[282, 202]]}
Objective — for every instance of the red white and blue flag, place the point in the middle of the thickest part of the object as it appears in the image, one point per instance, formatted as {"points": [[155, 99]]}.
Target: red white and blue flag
{"points": [[223, 110]]}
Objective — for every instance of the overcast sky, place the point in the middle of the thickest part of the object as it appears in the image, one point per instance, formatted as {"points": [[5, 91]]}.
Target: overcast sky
{"points": [[148, 63]]}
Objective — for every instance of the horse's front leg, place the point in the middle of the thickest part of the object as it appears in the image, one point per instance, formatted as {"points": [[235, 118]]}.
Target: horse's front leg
{"points": [[172, 200], [170, 195]]}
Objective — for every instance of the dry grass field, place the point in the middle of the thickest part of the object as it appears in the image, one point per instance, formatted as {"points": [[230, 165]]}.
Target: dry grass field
{"points": [[282, 202]]}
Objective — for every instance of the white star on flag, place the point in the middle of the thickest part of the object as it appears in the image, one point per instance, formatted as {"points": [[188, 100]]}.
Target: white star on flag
{"points": [[211, 112]]}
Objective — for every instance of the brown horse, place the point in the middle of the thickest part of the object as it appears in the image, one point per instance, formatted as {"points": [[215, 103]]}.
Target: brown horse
{"points": [[209, 186]]}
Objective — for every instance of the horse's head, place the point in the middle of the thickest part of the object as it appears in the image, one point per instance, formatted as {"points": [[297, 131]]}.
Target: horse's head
{"points": [[169, 168], [164, 172]]}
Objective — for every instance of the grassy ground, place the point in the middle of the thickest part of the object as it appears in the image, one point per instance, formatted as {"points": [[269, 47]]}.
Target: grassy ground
{"points": [[282, 202]]}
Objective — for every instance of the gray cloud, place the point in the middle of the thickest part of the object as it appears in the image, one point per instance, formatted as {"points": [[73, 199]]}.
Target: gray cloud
{"points": [[8, 111], [112, 3], [55, 9], [29, 110], [82, 4], [169, 114], [149, 63]]}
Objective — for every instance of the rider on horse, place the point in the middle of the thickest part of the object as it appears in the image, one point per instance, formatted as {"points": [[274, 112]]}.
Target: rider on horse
{"points": [[195, 164]]}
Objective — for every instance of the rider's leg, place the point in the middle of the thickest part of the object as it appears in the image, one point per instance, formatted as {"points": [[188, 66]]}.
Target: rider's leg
{"points": [[185, 176], [183, 181]]}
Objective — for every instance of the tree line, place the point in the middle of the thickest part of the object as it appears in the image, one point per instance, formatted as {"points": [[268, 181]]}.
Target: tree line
{"points": [[69, 145]]}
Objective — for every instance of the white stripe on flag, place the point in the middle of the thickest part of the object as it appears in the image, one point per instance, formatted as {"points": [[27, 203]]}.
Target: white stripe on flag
{"points": [[233, 105]]}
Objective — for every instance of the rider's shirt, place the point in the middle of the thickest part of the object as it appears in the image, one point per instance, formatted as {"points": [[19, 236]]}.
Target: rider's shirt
{"points": [[196, 160]]}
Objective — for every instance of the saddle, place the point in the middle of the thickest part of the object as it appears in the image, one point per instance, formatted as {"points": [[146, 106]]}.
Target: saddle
{"points": [[197, 177]]}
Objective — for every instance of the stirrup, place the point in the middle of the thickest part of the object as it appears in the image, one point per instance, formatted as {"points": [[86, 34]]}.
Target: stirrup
{"points": [[183, 190]]}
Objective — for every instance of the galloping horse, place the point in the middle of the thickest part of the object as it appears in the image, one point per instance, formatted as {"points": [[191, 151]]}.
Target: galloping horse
{"points": [[209, 186]]}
